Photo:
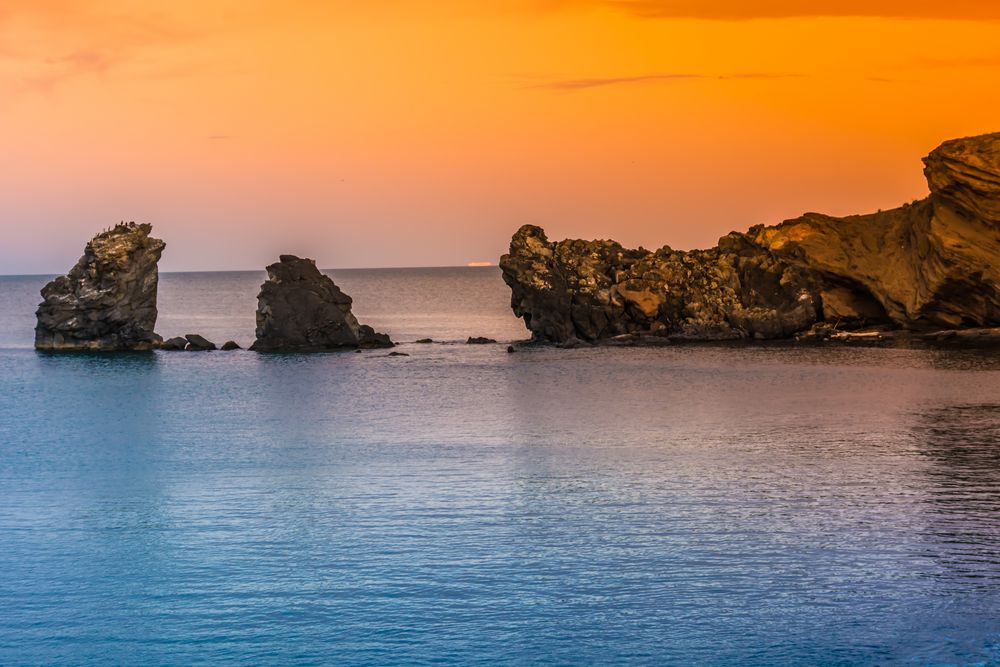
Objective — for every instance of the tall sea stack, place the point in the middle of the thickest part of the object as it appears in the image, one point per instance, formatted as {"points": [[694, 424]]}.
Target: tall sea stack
{"points": [[108, 300], [931, 264], [301, 310]]}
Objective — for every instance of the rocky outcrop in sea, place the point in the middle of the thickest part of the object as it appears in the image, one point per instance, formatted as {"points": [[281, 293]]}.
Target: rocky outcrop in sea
{"points": [[301, 310], [933, 264], [108, 300]]}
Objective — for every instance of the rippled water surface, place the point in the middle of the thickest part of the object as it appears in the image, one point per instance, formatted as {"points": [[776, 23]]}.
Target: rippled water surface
{"points": [[685, 505]]}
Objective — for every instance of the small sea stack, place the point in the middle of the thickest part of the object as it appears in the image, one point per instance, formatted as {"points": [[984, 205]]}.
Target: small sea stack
{"points": [[301, 310], [107, 301]]}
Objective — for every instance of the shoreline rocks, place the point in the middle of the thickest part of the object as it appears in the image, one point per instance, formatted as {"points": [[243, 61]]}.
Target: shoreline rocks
{"points": [[930, 265], [192, 343], [196, 343], [107, 301], [300, 309], [176, 343]]}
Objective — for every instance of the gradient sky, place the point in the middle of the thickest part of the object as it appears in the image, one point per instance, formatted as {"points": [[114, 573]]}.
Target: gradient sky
{"points": [[407, 133]]}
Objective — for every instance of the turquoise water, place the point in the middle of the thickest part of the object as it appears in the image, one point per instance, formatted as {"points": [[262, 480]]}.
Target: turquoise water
{"points": [[687, 505]]}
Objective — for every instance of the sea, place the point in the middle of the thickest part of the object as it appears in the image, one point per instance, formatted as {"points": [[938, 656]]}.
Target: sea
{"points": [[751, 504]]}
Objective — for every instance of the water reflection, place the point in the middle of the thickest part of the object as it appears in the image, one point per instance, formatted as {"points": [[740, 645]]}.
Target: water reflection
{"points": [[691, 505], [962, 443]]}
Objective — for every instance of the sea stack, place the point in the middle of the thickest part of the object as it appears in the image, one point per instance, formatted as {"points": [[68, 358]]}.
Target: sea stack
{"points": [[301, 310], [108, 300], [932, 264]]}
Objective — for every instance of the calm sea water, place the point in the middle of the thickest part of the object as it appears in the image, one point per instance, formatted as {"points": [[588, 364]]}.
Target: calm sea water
{"points": [[687, 505]]}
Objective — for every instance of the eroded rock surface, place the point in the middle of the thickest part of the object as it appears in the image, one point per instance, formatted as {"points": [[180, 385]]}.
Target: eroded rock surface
{"points": [[301, 310], [931, 264], [108, 300]]}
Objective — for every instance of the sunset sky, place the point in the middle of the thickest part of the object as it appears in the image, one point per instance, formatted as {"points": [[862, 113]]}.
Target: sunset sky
{"points": [[406, 133]]}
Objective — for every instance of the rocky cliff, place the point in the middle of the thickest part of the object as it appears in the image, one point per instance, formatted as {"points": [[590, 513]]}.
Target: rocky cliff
{"points": [[931, 264], [301, 310], [108, 300]]}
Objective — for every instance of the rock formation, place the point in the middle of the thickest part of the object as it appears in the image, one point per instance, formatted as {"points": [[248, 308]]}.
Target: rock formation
{"points": [[176, 343], [931, 264], [198, 343], [301, 310], [479, 340], [108, 300]]}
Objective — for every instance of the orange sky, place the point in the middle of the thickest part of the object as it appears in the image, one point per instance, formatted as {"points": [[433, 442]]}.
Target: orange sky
{"points": [[406, 133]]}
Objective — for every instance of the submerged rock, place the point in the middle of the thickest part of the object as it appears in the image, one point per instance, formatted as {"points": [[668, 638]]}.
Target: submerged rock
{"points": [[479, 340], [108, 300], [301, 310], [930, 264], [230, 345]]}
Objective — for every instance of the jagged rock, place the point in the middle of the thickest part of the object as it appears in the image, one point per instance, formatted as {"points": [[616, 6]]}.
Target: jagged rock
{"points": [[196, 343], [301, 310], [595, 290], [108, 300], [230, 345], [932, 263], [174, 344], [479, 340]]}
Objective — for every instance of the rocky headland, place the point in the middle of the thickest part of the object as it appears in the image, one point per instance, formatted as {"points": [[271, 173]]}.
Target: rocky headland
{"points": [[301, 310], [927, 266], [107, 301]]}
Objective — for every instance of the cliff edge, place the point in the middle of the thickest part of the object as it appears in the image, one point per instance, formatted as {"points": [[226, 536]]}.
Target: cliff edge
{"points": [[931, 264]]}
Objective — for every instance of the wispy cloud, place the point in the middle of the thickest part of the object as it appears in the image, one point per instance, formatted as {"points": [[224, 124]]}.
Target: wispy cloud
{"points": [[926, 65], [94, 60], [597, 82], [741, 10], [991, 60], [47, 44], [74, 64]]}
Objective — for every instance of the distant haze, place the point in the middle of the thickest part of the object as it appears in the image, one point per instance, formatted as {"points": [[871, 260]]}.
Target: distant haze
{"points": [[408, 133]]}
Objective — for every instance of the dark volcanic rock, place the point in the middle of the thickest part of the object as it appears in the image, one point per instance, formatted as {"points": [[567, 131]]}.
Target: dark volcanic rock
{"points": [[230, 345], [301, 310], [594, 290], [196, 343], [930, 264], [479, 340], [176, 343], [108, 300]]}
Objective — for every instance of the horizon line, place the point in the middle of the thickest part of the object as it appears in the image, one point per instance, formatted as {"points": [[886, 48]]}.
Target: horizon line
{"points": [[264, 270]]}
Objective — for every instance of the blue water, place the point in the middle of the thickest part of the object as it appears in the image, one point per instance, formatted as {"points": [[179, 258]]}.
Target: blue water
{"points": [[686, 505]]}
